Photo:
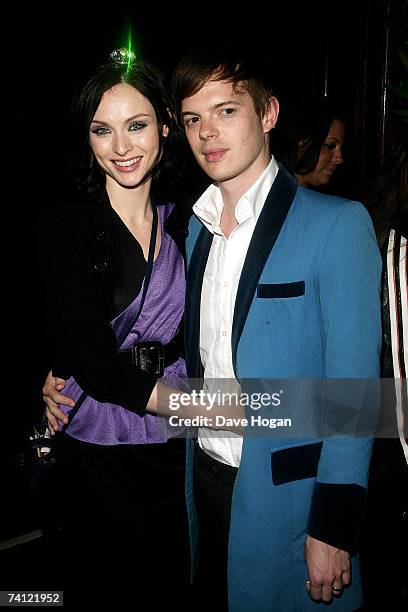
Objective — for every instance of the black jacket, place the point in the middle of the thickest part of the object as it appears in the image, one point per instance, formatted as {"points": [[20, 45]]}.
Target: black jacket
{"points": [[85, 260]]}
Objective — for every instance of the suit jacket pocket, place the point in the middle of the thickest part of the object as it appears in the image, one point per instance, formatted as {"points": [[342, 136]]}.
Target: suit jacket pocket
{"points": [[295, 463], [281, 290]]}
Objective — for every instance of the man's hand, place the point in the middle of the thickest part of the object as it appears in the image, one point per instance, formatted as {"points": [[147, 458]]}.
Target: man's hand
{"points": [[329, 569], [189, 406], [52, 398]]}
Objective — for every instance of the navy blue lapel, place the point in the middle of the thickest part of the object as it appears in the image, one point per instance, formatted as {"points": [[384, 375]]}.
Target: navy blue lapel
{"points": [[195, 275], [265, 234]]}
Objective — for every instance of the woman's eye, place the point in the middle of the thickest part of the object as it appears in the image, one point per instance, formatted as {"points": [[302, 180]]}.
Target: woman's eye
{"points": [[330, 145], [100, 131], [135, 127]]}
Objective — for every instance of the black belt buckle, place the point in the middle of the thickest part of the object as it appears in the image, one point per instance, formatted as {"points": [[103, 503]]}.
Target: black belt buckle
{"points": [[149, 357]]}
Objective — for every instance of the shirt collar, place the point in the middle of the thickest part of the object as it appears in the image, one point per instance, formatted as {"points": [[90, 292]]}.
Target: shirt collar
{"points": [[208, 207]]}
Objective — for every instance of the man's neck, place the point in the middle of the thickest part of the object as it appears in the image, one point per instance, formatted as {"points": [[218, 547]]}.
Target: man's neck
{"points": [[228, 221], [233, 189]]}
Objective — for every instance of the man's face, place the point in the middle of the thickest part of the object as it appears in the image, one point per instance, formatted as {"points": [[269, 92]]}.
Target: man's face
{"points": [[228, 139]]}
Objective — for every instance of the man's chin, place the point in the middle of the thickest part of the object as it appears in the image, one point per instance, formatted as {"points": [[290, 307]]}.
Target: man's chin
{"points": [[218, 175]]}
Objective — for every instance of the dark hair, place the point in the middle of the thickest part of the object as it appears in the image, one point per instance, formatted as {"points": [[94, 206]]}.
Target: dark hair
{"points": [[150, 83], [216, 63], [301, 132], [386, 195]]}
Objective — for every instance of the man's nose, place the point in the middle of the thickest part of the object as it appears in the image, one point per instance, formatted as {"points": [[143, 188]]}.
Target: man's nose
{"points": [[207, 129]]}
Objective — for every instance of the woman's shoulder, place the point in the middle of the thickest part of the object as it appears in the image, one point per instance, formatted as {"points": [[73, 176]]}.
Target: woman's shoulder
{"points": [[397, 231], [176, 216], [77, 222], [402, 229], [73, 212]]}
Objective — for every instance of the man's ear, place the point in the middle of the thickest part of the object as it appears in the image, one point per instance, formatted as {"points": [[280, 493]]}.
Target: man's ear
{"points": [[271, 115]]}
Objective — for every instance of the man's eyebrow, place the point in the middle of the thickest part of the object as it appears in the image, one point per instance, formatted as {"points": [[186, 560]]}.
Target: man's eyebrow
{"points": [[226, 103], [215, 107]]}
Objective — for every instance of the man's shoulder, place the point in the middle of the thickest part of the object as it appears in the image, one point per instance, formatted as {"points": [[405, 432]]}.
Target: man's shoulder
{"points": [[327, 209], [194, 228], [329, 204]]}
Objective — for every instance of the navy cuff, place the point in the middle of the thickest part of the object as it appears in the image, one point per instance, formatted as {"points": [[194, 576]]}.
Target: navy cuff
{"points": [[336, 514]]}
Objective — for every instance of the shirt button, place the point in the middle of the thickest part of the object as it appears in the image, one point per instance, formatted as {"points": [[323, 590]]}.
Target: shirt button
{"points": [[224, 333], [226, 283]]}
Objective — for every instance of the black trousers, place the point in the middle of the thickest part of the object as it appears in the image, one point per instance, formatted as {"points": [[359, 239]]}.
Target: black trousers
{"points": [[124, 518], [213, 486]]}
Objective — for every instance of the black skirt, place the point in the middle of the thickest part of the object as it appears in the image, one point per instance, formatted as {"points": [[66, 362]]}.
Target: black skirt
{"points": [[123, 515]]}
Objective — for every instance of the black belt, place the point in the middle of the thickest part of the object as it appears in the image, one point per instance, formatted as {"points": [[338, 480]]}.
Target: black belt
{"points": [[153, 357]]}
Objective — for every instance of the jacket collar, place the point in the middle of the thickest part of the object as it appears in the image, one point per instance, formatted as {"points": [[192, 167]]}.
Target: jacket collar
{"points": [[263, 239], [267, 229]]}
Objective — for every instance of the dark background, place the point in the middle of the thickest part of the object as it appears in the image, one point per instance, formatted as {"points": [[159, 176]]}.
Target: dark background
{"points": [[347, 50]]}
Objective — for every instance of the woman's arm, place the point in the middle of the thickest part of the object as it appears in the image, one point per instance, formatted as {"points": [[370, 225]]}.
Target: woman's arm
{"points": [[79, 293]]}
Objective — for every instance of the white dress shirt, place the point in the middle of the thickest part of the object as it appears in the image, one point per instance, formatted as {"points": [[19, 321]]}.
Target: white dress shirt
{"points": [[220, 284]]}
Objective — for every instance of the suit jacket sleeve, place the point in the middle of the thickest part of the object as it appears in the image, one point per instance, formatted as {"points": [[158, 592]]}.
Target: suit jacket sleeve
{"points": [[79, 293], [349, 289]]}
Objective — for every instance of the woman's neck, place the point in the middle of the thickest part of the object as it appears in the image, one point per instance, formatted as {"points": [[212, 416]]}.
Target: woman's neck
{"points": [[132, 205]]}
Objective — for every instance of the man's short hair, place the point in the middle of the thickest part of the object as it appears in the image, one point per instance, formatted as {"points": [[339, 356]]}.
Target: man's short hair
{"points": [[215, 63]]}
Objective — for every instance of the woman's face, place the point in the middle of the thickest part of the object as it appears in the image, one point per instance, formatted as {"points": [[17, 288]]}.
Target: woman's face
{"points": [[330, 157], [124, 135]]}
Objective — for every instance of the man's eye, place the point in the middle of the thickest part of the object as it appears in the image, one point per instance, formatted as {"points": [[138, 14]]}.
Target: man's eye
{"points": [[191, 120], [228, 111], [100, 131]]}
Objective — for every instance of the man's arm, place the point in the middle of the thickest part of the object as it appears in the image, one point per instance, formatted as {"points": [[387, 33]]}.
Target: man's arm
{"points": [[161, 402], [349, 288]]}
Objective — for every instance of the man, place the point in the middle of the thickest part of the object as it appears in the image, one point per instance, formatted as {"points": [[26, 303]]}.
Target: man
{"points": [[282, 283]]}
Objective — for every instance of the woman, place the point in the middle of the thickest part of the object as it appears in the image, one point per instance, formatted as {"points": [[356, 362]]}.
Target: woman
{"points": [[386, 197], [309, 143], [112, 333]]}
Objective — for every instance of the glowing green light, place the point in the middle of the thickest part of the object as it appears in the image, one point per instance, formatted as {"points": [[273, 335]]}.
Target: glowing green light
{"points": [[131, 54]]}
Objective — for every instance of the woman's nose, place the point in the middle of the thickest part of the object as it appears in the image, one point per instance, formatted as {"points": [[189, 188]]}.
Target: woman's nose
{"points": [[337, 156], [122, 145]]}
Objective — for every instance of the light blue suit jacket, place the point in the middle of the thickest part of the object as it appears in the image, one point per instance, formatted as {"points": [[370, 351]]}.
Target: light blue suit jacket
{"points": [[307, 307]]}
